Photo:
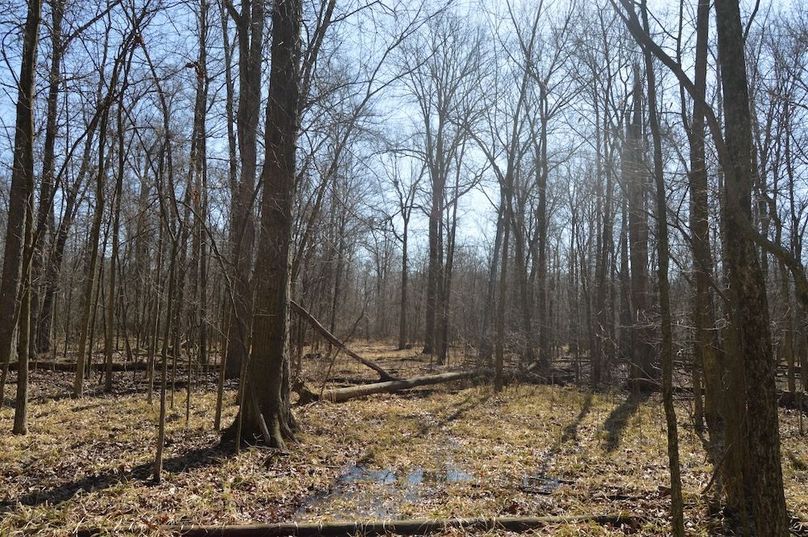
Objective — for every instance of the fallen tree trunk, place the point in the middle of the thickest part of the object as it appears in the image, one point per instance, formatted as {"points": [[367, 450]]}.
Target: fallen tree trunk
{"points": [[403, 527], [334, 340], [339, 395], [793, 401], [50, 365]]}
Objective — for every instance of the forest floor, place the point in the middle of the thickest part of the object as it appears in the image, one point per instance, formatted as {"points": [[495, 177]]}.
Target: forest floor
{"points": [[455, 450]]}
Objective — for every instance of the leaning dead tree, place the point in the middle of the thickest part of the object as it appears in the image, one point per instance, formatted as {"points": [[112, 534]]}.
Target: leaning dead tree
{"points": [[334, 340]]}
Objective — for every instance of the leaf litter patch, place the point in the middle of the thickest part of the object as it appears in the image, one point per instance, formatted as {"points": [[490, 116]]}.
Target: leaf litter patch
{"points": [[458, 452]]}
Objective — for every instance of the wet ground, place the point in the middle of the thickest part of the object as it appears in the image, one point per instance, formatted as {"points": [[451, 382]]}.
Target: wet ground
{"points": [[382, 493]]}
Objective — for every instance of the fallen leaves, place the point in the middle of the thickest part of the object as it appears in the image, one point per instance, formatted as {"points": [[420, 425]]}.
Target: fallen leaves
{"points": [[87, 463]]}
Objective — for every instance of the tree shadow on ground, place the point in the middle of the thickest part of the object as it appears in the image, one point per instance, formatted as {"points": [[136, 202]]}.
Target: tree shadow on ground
{"points": [[471, 402], [571, 430], [190, 460], [619, 418]]}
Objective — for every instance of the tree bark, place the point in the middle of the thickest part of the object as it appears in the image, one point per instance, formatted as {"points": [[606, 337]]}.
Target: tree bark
{"points": [[22, 181], [764, 512], [402, 318], [269, 361], [250, 29], [663, 254], [340, 395], [47, 184], [642, 374]]}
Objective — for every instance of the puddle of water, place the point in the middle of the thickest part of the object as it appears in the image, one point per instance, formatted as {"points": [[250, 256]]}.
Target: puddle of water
{"points": [[358, 486], [456, 475], [359, 473], [540, 484], [380, 493], [416, 477]]}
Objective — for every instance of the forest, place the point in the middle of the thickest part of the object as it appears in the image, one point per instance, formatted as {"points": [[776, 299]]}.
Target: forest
{"points": [[403, 267]]}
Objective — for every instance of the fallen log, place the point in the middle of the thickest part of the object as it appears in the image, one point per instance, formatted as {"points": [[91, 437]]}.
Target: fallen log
{"points": [[334, 340], [403, 527], [339, 395], [793, 401], [50, 365]]}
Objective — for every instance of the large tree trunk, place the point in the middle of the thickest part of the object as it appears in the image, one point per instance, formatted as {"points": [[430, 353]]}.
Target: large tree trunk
{"points": [[268, 410], [446, 295], [22, 184], [762, 476], [545, 322]]}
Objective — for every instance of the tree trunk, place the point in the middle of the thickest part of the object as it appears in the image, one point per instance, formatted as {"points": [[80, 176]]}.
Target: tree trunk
{"points": [[435, 267], [544, 324], [22, 180], [486, 348], [116, 223], [499, 351], [762, 476], [47, 184], [269, 411], [250, 28], [633, 176], [402, 319], [663, 252], [340, 395], [334, 340], [403, 527]]}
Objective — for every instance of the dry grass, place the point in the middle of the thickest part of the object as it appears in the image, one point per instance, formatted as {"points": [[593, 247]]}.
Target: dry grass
{"points": [[87, 463]]}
